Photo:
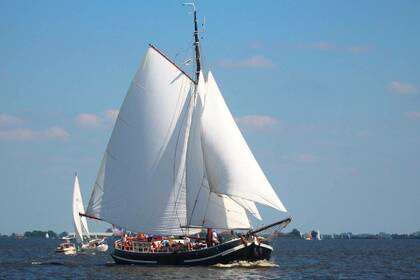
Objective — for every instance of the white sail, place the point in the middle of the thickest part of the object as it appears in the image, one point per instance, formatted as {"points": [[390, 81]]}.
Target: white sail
{"points": [[196, 185], [249, 206], [230, 165], [217, 211], [80, 223], [177, 159], [205, 208], [138, 186], [224, 213]]}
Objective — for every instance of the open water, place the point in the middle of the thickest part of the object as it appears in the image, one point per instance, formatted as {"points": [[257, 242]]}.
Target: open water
{"points": [[292, 259]]}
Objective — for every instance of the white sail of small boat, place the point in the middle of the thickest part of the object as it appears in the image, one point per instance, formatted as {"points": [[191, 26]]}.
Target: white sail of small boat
{"points": [[176, 160], [81, 229], [318, 235], [80, 223]]}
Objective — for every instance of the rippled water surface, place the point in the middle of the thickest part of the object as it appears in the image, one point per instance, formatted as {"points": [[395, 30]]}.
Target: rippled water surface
{"points": [[292, 259]]}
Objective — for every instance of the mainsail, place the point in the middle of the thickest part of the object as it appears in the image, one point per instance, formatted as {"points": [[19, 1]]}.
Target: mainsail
{"points": [[176, 158], [136, 186], [80, 224]]}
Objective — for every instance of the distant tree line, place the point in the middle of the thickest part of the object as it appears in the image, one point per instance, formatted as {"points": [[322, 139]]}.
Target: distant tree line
{"points": [[40, 234]]}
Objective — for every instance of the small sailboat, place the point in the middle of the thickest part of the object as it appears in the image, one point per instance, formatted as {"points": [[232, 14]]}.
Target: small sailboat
{"points": [[66, 248], [318, 234], [81, 230], [313, 235], [177, 164]]}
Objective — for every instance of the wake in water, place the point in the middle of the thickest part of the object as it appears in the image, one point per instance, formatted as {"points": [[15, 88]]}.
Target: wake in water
{"points": [[246, 264], [47, 263]]}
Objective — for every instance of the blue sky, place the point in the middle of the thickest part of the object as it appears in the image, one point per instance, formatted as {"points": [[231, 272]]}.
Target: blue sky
{"points": [[327, 94]]}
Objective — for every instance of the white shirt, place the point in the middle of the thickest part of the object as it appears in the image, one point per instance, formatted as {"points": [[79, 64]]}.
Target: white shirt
{"points": [[215, 236]]}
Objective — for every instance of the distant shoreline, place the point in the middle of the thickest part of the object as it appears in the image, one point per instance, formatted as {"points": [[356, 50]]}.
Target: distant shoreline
{"points": [[294, 234]]}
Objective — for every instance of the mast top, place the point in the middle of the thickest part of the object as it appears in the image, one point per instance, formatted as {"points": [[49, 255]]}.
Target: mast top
{"points": [[196, 43], [191, 4]]}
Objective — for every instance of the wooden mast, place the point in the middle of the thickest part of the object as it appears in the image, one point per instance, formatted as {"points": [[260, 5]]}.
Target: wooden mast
{"points": [[196, 43], [197, 48]]}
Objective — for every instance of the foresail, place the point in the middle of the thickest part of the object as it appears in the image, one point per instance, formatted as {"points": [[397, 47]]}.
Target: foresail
{"points": [[218, 211], [224, 213], [138, 186], [249, 206], [230, 165]]}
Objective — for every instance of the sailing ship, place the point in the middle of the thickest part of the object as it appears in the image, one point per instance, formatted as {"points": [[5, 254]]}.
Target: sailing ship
{"points": [[66, 248], [80, 223], [177, 164], [81, 230]]}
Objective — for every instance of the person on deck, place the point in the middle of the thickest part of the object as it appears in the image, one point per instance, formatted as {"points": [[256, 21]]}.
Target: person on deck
{"points": [[209, 237], [187, 243], [215, 239]]}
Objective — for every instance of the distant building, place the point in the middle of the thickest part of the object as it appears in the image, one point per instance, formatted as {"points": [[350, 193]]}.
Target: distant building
{"points": [[384, 235]]}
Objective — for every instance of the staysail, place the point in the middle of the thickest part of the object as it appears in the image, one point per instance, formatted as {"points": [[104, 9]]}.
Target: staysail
{"points": [[217, 210], [138, 184], [249, 206], [80, 223], [230, 165], [223, 212]]}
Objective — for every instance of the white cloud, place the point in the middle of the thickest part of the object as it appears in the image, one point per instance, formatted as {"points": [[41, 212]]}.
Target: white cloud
{"points": [[257, 45], [256, 61], [56, 132], [300, 158], [412, 115], [348, 171], [25, 134], [6, 119], [327, 46], [256, 122], [401, 88], [359, 49], [100, 120], [364, 133], [112, 114], [88, 120], [318, 45], [305, 158]]}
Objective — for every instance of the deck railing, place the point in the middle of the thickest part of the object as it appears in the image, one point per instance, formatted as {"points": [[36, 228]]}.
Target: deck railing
{"points": [[170, 246]]}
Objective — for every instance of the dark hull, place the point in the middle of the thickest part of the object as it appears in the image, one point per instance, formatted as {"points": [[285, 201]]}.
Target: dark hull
{"points": [[228, 252]]}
